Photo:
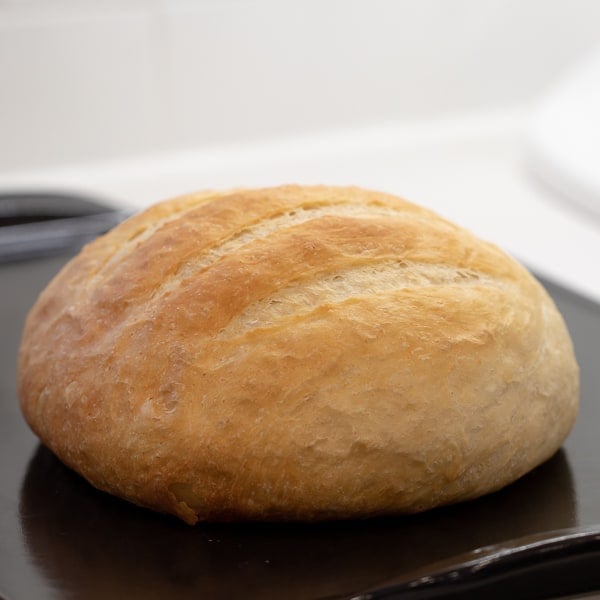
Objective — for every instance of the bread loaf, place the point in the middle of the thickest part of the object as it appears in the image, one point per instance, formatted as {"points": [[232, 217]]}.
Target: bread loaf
{"points": [[296, 353]]}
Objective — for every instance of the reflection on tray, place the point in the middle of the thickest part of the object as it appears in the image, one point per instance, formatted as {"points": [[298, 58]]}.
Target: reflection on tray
{"points": [[99, 546]]}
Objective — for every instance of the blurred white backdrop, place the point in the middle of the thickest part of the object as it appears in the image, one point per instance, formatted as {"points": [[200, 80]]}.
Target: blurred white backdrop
{"points": [[82, 80]]}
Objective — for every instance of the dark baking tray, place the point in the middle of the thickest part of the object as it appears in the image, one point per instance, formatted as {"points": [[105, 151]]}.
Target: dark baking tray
{"points": [[60, 538]]}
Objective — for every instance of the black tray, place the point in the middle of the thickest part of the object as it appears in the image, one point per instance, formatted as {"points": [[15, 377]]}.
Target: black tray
{"points": [[60, 538]]}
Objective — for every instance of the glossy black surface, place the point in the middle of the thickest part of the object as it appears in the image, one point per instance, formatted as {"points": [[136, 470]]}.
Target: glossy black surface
{"points": [[60, 538], [539, 566]]}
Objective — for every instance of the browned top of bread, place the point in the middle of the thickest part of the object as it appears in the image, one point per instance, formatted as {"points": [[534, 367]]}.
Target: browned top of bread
{"points": [[296, 352]]}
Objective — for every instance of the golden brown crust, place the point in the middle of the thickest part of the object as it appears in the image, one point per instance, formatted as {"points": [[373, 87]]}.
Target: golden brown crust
{"points": [[296, 353]]}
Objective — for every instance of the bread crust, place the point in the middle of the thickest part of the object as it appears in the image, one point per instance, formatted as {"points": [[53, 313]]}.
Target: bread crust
{"points": [[296, 353]]}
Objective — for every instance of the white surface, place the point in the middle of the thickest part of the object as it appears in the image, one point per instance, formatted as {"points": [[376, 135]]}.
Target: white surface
{"points": [[82, 80], [468, 169], [564, 140]]}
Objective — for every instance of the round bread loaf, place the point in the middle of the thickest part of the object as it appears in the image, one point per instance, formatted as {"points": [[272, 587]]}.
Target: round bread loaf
{"points": [[296, 353]]}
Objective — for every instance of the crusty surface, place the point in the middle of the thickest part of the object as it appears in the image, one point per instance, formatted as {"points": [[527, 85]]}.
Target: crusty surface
{"points": [[296, 353]]}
